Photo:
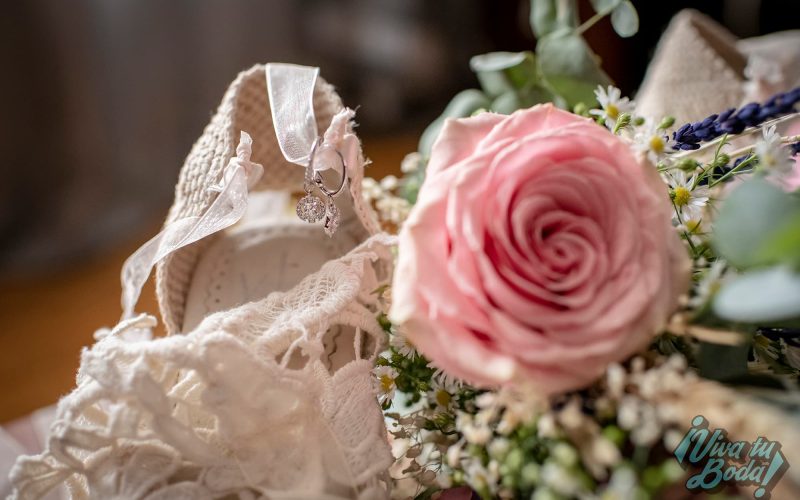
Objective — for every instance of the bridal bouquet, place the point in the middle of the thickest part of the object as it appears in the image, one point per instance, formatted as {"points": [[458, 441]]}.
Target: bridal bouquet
{"points": [[580, 290]]}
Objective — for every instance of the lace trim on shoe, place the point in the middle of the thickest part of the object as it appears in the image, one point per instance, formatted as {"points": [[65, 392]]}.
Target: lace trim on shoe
{"points": [[223, 409]]}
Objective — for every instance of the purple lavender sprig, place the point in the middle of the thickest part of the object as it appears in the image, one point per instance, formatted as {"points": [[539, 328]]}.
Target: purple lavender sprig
{"points": [[733, 121]]}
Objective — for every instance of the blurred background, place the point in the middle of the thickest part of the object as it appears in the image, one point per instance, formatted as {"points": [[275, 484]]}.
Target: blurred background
{"points": [[104, 98]]}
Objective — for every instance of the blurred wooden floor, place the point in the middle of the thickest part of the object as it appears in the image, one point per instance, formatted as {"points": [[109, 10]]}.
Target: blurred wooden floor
{"points": [[46, 320]]}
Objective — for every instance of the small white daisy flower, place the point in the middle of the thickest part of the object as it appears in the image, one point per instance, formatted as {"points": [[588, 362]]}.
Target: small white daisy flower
{"points": [[708, 284], [444, 379], [612, 104], [688, 198], [773, 156], [402, 345], [441, 398], [386, 386], [652, 140]]}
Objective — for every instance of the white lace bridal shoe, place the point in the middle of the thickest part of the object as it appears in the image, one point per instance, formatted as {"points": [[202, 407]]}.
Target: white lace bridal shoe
{"points": [[263, 389]]}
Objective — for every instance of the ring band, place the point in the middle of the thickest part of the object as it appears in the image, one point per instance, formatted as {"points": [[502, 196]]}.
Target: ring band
{"points": [[317, 178]]}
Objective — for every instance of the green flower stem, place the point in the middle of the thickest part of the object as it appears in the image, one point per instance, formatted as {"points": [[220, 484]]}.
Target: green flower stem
{"points": [[733, 171], [714, 163], [688, 236], [622, 122], [789, 139], [580, 30]]}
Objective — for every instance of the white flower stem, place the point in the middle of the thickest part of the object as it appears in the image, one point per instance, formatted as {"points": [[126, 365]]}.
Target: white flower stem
{"points": [[789, 139]]}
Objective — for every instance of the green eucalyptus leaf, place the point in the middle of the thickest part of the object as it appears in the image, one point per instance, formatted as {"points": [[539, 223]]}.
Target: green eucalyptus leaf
{"points": [[496, 61], [784, 243], [761, 296], [462, 105], [537, 95], [756, 225], [548, 16], [625, 20], [506, 103], [512, 100], [570, 68], [500, 72], [604, 5]]}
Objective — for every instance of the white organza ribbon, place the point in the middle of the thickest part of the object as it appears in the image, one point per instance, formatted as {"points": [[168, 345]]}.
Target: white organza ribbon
{"points": [[229, 206], [291, 97]]}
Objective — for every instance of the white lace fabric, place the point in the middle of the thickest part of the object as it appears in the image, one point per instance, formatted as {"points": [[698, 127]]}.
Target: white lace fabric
{"points": [[244, 406], [264, 400]]}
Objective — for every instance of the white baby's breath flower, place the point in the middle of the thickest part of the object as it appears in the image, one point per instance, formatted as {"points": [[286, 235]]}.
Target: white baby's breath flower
{"points": [[773, 156], [453, 455], [546, 426], [612, 104], [560, 479], [386, 376], [649, 428], [672, 438], [474, 430], [498, 448], [370, 189], [482, 478], [623, 485], [392, 208], [615, 379], [402, 345], [689, 198], [389, 183], [652, 141], [628, 414], [410, 163], [601, 453]]}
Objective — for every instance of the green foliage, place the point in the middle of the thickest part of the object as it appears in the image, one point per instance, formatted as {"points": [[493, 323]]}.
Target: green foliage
{"points": [[762, 296], [414, 375], [625, 20], [548, 16], [462, 105], [757, 226], [569, 67], [563, 70], [758, 231], [500, 72]]}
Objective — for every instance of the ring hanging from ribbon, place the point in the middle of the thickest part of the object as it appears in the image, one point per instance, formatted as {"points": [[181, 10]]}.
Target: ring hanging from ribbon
{"points": [[291, 96], [310, 208]]}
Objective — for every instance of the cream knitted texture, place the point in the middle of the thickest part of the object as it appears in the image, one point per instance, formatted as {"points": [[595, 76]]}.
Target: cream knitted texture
{"points": [[245, 106], [243, 405], [696, 71]]}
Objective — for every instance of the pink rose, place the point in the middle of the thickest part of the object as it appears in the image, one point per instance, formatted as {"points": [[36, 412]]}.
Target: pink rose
{"points": [[540, 250]]}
